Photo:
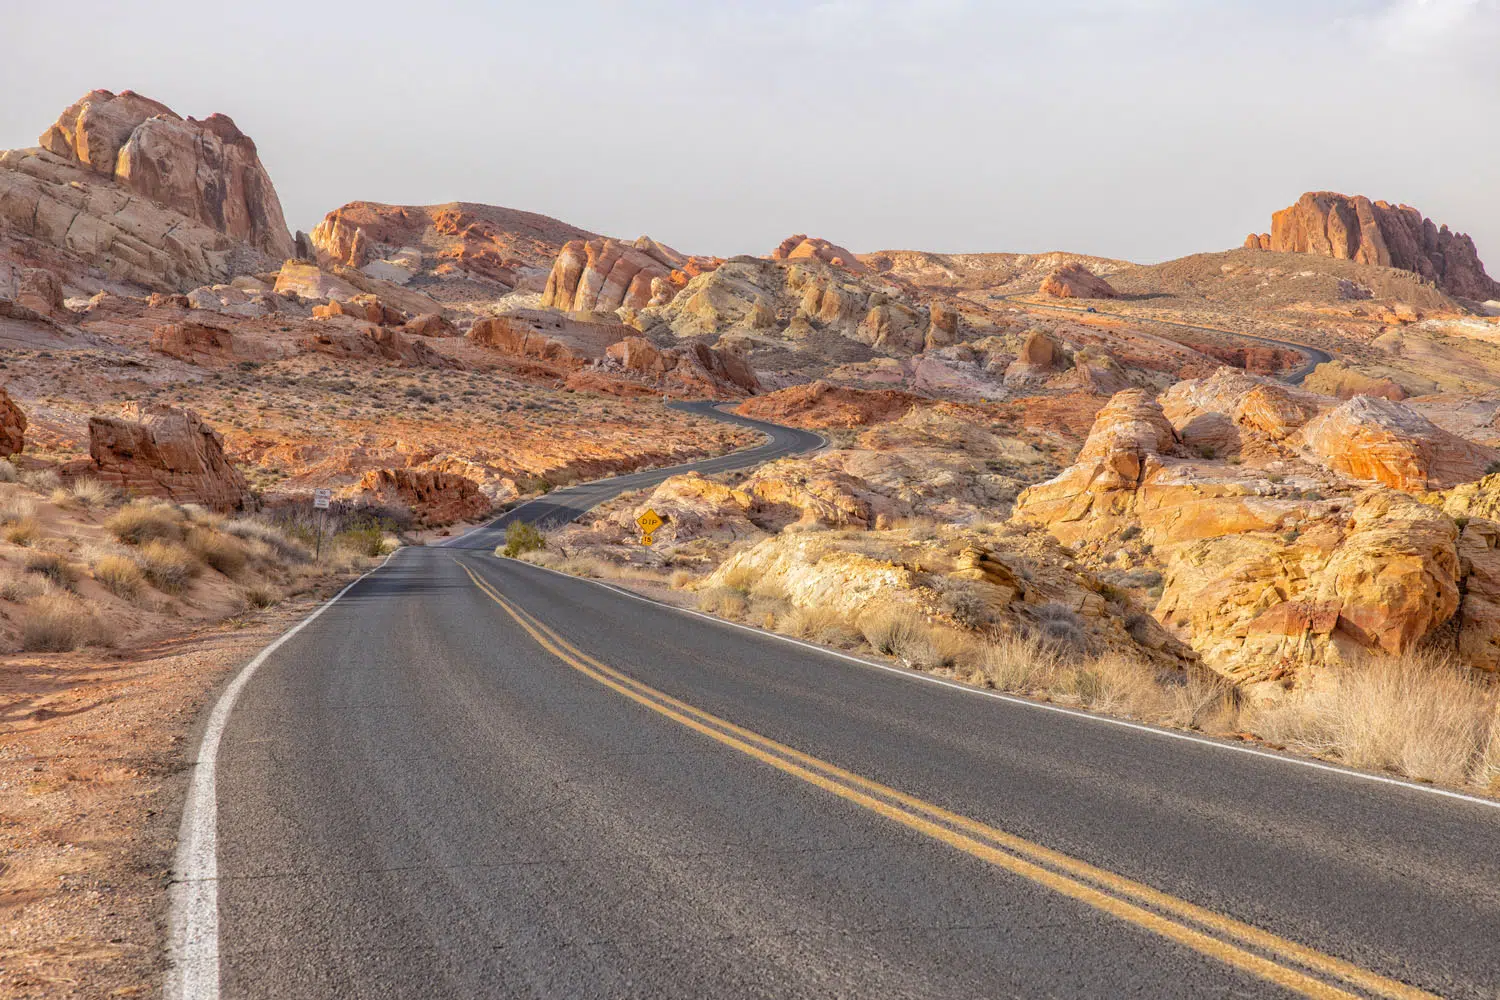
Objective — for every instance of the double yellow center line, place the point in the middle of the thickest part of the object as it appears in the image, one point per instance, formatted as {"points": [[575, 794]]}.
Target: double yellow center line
{"points": [[1290, 965]]}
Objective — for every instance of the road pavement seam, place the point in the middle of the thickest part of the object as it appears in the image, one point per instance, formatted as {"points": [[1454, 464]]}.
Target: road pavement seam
{"points": [[969, 689], [1097, 887], [193, 894]]}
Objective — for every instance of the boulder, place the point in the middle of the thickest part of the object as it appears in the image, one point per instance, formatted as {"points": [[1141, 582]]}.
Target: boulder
{"points": [[366, 307], [41, 291], [1388, 442], [823, 404], [203, 344], [1355, 228], [365, 341], [1038, 359], [696, 369], [430, 325], [12, 426], [942, 327], [159, 450], [1074, 281]]}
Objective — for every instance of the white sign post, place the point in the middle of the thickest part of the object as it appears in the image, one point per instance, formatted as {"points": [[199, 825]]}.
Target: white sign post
{"points": [[321, 499]]}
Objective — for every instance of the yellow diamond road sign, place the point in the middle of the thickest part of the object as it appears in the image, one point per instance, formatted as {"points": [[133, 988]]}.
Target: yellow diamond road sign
{"points": [[649, 521]]}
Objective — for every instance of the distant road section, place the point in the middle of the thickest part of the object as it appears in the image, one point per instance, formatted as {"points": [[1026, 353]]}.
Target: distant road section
{"points": [[1315, 356]]}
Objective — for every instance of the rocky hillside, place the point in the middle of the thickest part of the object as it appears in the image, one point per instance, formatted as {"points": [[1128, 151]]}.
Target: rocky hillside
{"points": [[455, 252], [1399, 236], [122, 184]]}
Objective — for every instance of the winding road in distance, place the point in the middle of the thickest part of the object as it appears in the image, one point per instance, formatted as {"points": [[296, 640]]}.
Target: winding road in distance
{"points": [[469, 777], [1315, 356]]}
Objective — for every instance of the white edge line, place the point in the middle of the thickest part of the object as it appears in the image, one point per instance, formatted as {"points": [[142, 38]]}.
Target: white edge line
{"points": [[193, 893], [969, 689]]}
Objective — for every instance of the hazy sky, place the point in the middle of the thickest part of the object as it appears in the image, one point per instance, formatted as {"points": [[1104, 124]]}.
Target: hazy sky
{"points": [[1143, 129]]}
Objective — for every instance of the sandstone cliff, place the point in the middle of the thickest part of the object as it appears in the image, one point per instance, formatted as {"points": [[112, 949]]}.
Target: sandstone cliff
{"points": [[127, 185], [1399, 236], [159, 450]]}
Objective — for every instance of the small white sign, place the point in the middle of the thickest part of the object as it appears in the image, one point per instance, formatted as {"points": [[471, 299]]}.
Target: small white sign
{"points": [[321, 499]]}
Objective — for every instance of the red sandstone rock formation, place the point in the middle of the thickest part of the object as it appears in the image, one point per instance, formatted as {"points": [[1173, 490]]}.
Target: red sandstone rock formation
{"points": [[365, 307], [1074, 281], [433, 497], [201, 344], [209, 170], [697, 369], [822, 404], [430, 325], [1389, 442], [603, 275], [12, 426], [375, 343], [158, 450], [801, 245], [1357, 229]]}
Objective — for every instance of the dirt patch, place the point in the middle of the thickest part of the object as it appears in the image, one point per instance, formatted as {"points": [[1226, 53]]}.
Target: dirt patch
{"points": [[93, 751]]}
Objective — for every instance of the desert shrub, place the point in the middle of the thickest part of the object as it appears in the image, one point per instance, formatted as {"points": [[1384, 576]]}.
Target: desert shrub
{"points": [[23, 532], [17, 587], [966, 602], [364, 536], [41, 480], [119, 575], [143, 521], [1131, 531], [219, 551], [90, 492], [1418, 715], [57, 623], [739, 576], [269, 534], [168, 565], [895, 631], [53, 567], [1063, 627], [725, 602], [17, 508], [520, 537], [262, 597], [1018, 664], [7, 471], [822, 625], [680, 579]]}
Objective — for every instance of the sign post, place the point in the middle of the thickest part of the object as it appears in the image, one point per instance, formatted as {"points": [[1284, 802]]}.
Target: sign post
{"points": [[648, 522], [321, 500]]}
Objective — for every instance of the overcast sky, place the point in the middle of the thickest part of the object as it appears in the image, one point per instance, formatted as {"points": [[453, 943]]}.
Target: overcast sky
{"points": [[1143, 129]]}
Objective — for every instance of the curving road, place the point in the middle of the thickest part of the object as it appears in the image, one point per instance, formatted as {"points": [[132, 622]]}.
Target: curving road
{"points": [[1315, 356], [470, 777], [564, 505]]}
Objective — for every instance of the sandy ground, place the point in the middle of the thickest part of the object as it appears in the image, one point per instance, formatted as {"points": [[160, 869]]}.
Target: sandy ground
{"points": [[93, 747]]}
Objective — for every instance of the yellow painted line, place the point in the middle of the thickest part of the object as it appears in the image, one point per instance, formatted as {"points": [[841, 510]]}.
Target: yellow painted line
{"points": [[1002, 848]]}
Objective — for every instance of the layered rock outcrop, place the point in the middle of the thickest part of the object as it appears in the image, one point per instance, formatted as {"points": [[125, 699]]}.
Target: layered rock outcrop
{"points": [[696, 369], [1074, 281], [802, 246], [207, 170], [1377, 232], [603, 275], [455, 241], [159, 450], [434, 497], [1388, 442], [123, 183], [823, 404]]}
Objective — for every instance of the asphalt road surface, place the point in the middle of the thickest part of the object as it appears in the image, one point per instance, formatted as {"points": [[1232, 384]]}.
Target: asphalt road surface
{"points": [[471, 778]]}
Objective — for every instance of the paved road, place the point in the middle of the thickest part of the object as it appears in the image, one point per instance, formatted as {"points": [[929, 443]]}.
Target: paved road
{"points": [[1314, 356], [564, 505], [471, 777]]}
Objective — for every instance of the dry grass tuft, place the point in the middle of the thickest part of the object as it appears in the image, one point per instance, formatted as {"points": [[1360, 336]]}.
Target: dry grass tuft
{"points": [[90, 492], [15, 508], [18, 587], [724, 602], [143, 521], [23, 532], [1418, 715], [54, 568], [219, 551], [168, 565], [262, 597], [819, 625], [58, 623], [119, 575]]}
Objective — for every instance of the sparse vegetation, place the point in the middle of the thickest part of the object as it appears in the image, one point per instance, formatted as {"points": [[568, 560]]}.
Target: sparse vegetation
{"points": [[168, 565], [120, 575], [57, 623], [54, 567], [522, 537], [142, 521]]}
